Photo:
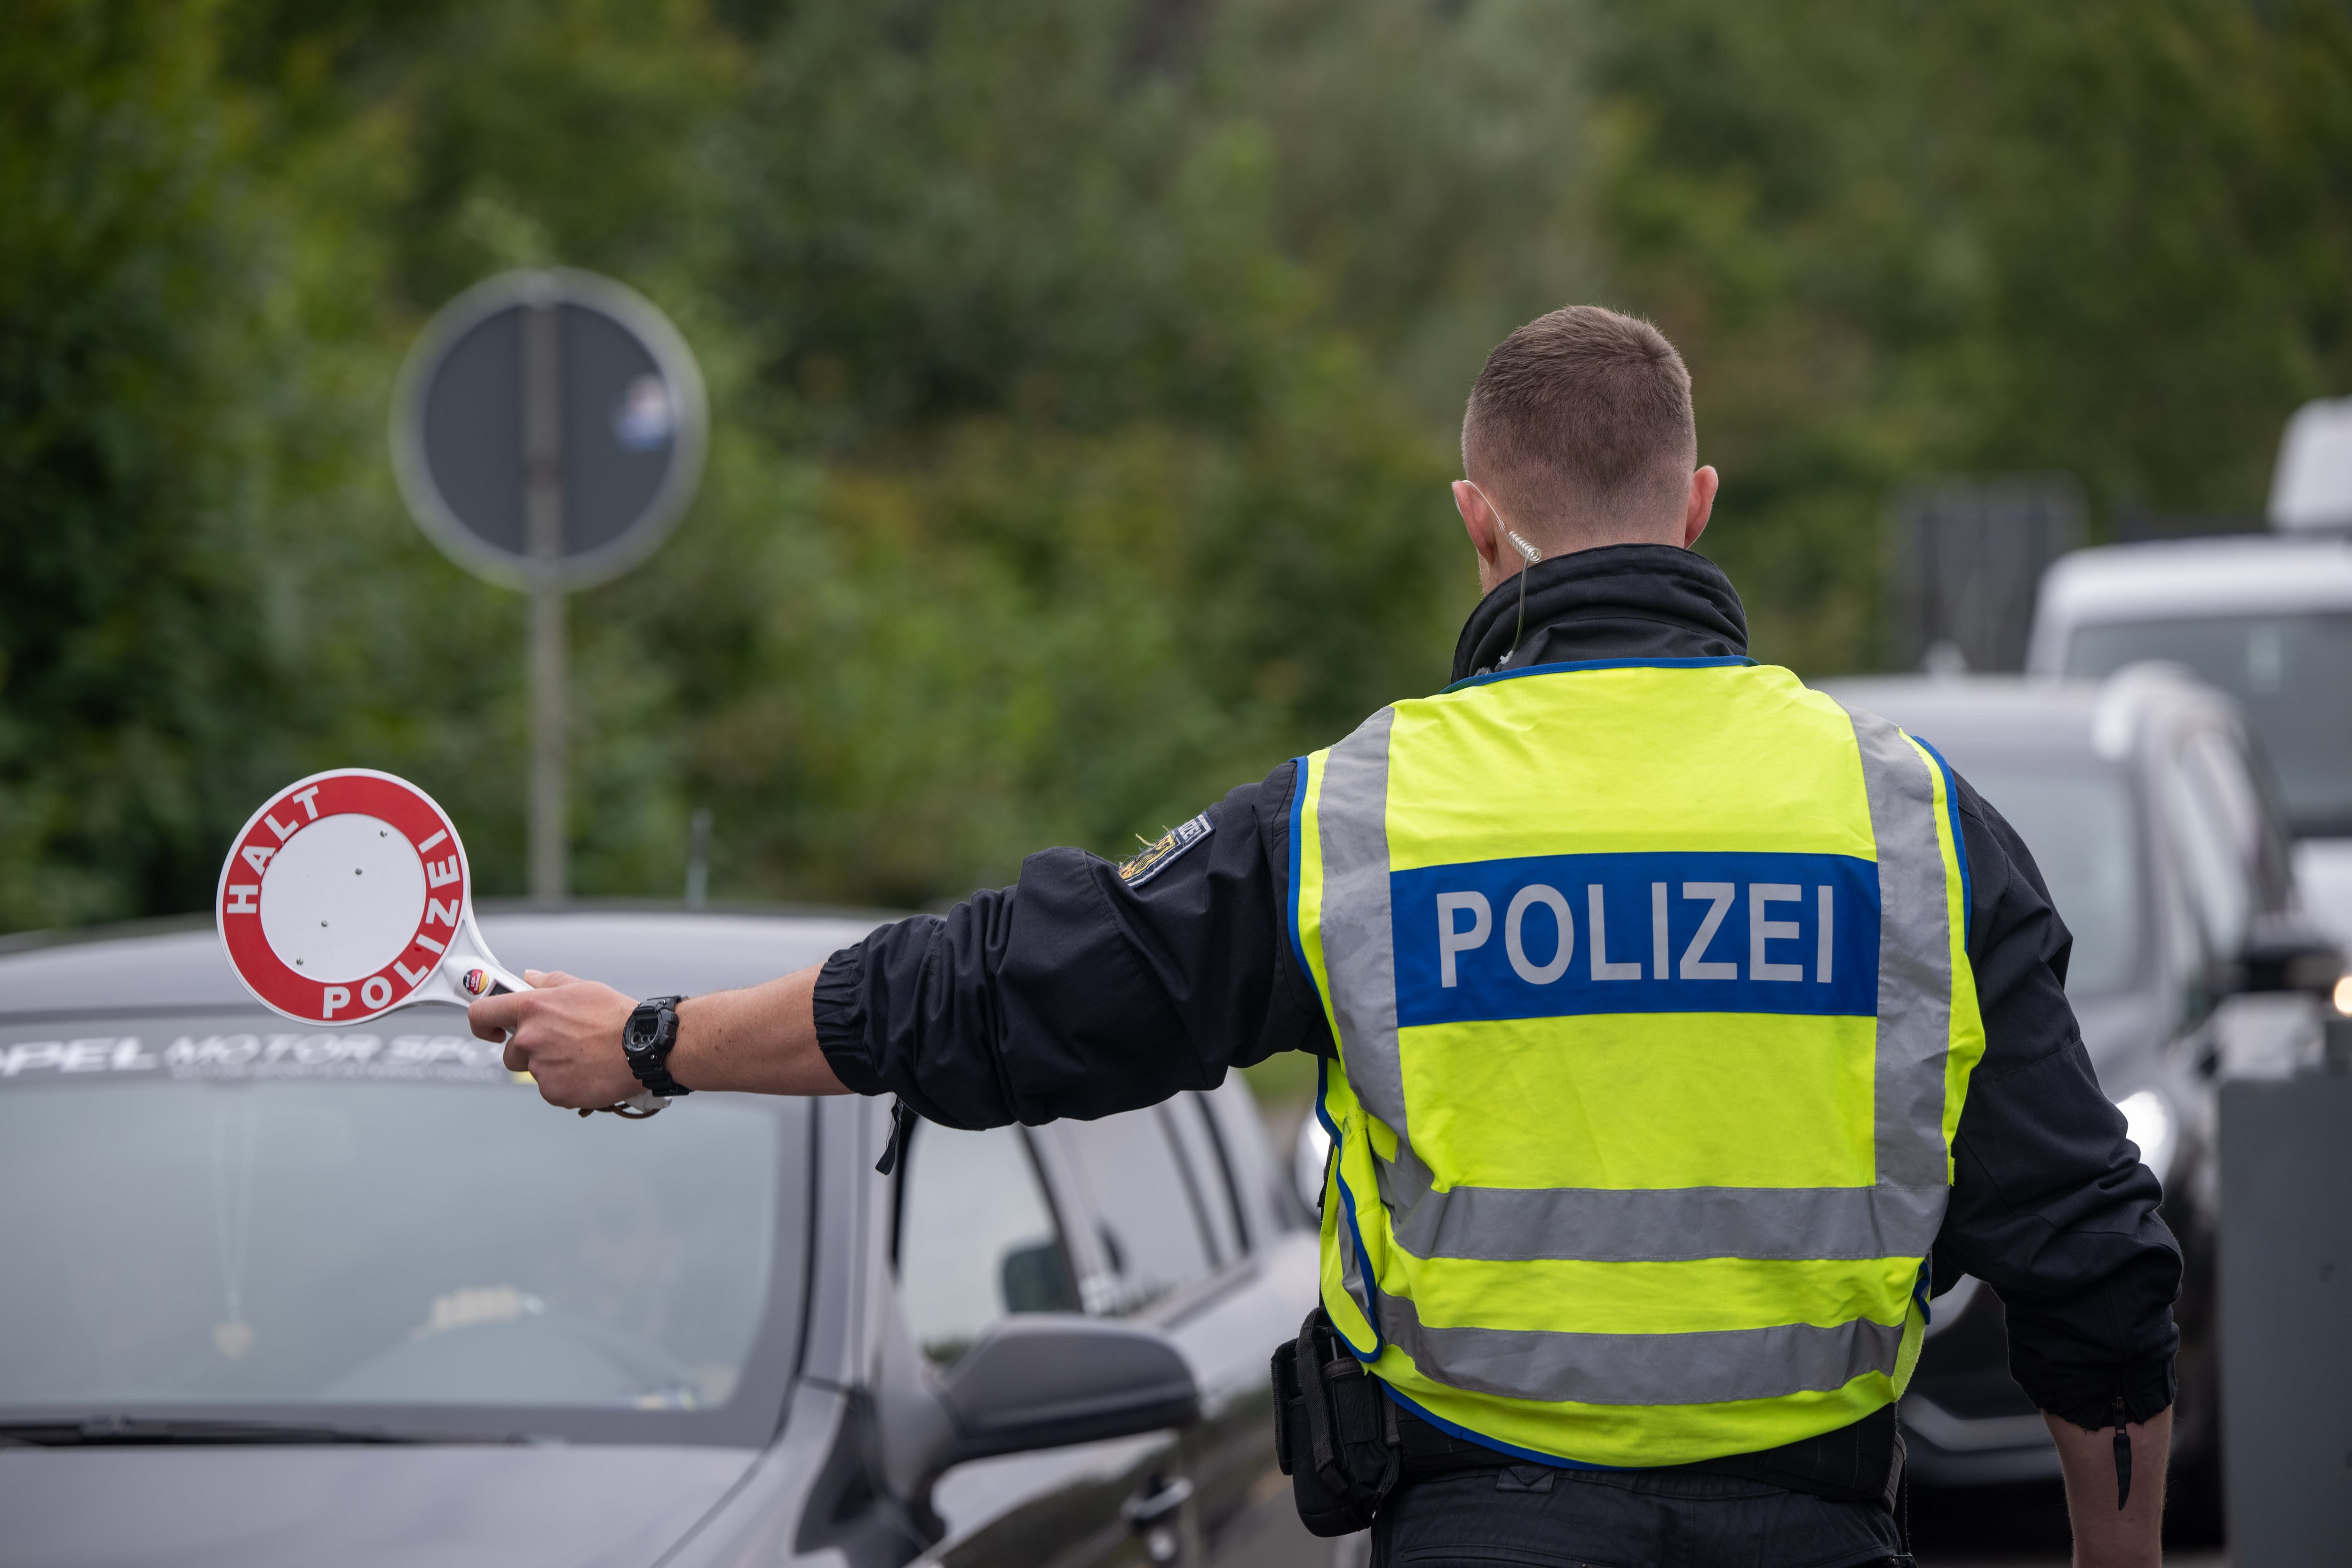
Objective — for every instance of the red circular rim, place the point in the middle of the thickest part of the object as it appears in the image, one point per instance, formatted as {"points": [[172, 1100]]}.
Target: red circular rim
{"points": [[236, 906]]}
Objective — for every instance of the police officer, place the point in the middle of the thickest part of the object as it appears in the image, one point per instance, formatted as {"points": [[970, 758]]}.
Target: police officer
{"points": [[1681, 1030]]}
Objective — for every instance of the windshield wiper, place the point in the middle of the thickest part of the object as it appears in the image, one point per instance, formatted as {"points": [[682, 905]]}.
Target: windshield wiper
{"points": [[101, 1430]]}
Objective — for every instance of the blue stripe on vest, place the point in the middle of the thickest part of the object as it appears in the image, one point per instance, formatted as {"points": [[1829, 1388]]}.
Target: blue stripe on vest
{"points": [[1959, 844], [1297, 817], [1568, 667], [1370, 1305], [1676, 932]]}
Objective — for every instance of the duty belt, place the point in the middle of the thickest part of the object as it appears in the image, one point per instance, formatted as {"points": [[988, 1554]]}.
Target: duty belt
{"points": [[1859, 1463]]}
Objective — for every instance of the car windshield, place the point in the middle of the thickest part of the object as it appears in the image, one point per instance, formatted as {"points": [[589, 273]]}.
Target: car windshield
{"points": [[2292, 675], [229, 1215], [2082, 828]]}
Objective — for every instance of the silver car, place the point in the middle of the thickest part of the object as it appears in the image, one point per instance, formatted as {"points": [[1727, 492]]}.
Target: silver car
{"points": [[2146, 804], [2266, 618], [271, 1294]]}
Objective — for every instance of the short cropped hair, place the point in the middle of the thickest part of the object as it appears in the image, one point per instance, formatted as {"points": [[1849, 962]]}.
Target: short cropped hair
{"points": [[1582, 423]]}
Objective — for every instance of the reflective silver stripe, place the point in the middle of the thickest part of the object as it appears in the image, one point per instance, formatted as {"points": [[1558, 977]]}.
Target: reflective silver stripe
{"points": [[1359, 943], [1658, 1225], [1915, 970], [1703, 1368], [1351, 1273]]}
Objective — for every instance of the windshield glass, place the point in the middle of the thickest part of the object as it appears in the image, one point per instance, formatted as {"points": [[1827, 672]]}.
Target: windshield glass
{"points": [[2293, 674], [2082, 828], [237, 1217]]}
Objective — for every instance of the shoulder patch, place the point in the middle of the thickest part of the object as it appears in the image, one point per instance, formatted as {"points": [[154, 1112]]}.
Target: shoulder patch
{"points": [[1157, 856]]}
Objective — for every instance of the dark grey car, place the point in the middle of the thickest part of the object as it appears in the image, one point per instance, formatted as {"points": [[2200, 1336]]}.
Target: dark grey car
{"points": [[270, 1294], [2146, 804]]}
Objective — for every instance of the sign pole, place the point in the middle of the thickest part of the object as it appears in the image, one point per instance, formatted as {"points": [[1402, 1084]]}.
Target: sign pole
{"points": [[550, 875], [543, 424], [548, 431]]}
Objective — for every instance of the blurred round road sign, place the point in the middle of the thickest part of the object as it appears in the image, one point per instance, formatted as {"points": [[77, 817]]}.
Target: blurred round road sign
{"points": [[547, 428]]}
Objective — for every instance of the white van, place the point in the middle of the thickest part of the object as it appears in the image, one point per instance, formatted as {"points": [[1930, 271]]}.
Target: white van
{"points": [[2266, 617]]}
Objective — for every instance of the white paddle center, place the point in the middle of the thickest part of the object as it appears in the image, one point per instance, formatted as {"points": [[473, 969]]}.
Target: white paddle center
{"points": [[315, 917]]}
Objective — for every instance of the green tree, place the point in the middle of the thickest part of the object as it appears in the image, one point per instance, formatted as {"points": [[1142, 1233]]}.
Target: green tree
{"points": [[137, 347], [2108, 239], [1084, 372]]}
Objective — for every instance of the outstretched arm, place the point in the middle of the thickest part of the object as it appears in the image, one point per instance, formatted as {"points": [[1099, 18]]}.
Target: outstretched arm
{"points": [[567, 1035], [1090, 988]]}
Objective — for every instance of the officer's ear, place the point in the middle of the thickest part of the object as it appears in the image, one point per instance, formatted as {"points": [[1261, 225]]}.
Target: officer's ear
{"points": [[1485, 528], [1701, 504]]}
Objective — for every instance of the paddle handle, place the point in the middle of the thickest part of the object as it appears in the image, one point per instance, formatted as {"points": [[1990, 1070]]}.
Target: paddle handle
{"points": [[644, 1102]]}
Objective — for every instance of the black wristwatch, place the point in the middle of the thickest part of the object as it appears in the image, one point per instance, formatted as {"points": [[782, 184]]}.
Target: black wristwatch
{"points": [[646, 1040]]}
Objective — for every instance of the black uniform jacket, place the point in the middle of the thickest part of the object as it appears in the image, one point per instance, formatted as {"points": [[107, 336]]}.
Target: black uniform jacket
{"points": [[1077, 994]]}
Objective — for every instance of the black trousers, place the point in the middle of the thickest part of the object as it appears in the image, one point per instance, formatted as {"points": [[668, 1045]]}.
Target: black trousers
{"points": [[1533, 1516]]}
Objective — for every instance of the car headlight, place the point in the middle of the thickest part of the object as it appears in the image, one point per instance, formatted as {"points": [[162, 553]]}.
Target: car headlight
{"points": [[2148, 1122]]}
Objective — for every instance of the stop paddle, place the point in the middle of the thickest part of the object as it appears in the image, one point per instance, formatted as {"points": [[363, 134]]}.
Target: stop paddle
{"points": [[347, 896]]}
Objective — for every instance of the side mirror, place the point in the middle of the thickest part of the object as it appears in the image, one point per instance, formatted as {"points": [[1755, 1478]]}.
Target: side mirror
{"points": [[2284, 954], [1046, 1380]]}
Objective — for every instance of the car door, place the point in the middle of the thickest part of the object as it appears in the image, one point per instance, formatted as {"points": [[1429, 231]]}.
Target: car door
{"points": [[1265, 1283], [979, 1233], [1182, 1248], [1151, 1224]]}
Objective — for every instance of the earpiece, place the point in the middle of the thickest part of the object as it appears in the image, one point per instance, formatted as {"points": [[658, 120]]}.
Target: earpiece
{"points": [[1528, 554]]}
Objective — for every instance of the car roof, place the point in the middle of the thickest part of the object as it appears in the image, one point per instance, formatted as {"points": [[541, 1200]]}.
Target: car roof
{"points": [[2020, 716], [2040, 714], [2233, 575], [643, 951]]}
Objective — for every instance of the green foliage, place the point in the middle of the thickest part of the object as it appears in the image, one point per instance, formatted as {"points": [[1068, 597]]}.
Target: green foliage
{"points": [[130, 452], [2108, 239], [1427, 164], [1084, 372]]}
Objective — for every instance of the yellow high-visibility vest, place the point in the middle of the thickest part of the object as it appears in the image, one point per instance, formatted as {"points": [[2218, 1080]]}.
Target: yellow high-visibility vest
{"points": [[1654, 1014]]}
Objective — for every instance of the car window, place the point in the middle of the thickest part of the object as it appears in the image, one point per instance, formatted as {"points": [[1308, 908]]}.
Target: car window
{"points": [[977, 1239], [1216, 1207], [2247, 809], [2083, 832], [1145, 1208], [2213, 764], [235, 1212], [2289, 673], [2213, 867]]}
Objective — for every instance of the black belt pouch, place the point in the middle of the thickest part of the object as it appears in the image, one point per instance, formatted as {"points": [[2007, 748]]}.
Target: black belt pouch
{"points": [[1335, 1433]]}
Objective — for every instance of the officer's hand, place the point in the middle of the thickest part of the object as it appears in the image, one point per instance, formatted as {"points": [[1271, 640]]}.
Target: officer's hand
{"points": [[566, 1033]]}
